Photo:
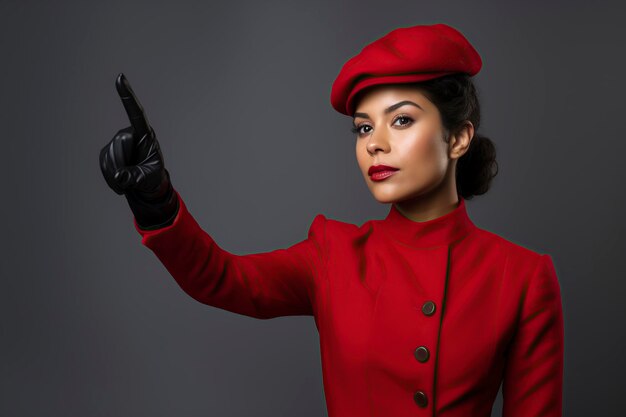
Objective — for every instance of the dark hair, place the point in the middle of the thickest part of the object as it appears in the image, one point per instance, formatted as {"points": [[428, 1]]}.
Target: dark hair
{"points": [[457, 100]]}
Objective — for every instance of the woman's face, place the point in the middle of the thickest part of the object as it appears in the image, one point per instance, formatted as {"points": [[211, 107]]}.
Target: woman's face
{"points": [[396, 125]]}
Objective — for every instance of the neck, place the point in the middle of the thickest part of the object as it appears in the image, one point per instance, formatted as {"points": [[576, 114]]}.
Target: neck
{"points": [[429, 205]]}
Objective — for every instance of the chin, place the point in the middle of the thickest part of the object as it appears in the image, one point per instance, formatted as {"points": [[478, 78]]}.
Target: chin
{"points": [[387, 197], [395, 195], [384, 201]]}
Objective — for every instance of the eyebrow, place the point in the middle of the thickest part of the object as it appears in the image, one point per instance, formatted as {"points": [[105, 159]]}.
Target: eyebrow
{"points": [[390, 108]]}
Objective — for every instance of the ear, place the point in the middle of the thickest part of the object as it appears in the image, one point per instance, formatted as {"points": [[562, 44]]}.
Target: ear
{"points": [[460, 140]]}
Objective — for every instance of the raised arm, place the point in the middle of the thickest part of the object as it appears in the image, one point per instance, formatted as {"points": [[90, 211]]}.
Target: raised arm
{"points": [[533, 379], [262, 285]]}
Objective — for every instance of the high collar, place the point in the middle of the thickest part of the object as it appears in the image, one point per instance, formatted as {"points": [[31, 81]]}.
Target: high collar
{"points": [[441, 231]]}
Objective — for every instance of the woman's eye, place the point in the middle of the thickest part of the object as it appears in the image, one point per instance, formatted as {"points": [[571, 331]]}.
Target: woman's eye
{"points": [[405, 120], [357, 129]]}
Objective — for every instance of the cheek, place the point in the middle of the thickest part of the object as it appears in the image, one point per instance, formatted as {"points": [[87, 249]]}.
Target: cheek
{"points": [[426, 155], [362, 157]]}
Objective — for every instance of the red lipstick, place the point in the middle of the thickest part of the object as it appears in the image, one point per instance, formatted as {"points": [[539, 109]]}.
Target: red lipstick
{"points": [[380, 172]]}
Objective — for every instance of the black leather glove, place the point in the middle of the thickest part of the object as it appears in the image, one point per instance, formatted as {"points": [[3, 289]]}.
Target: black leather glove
{"points": [[132, 164]]}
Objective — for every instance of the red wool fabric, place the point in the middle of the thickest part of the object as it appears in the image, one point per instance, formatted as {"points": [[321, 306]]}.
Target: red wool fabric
{"points": [[414, 318], [409, 54]]}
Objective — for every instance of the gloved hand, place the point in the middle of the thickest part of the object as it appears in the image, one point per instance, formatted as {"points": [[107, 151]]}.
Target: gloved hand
{"points": [[132, 164]]}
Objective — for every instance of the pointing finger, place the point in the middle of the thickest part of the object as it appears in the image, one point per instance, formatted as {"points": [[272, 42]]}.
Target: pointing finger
{"points": [[136, 114]]}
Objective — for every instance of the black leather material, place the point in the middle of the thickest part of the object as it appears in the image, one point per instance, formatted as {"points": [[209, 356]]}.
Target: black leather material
{"points": [[132, 164]]}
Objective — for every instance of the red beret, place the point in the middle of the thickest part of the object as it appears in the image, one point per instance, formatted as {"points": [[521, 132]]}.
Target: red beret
{"points": [[404, 55]]}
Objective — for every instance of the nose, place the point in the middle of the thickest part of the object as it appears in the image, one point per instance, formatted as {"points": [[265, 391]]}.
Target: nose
{"points": [[377, 141]]}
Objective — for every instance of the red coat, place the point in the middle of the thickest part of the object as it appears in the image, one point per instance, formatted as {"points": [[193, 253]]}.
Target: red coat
{"points": [[415, 318]]}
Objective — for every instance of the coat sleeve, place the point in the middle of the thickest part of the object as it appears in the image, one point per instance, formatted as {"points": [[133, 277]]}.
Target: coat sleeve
{"points": [[533, 378], [261, 285]]}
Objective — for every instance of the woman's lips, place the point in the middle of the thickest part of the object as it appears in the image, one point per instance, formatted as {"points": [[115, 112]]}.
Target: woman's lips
{"points": [[381, 175], [380, 172]]}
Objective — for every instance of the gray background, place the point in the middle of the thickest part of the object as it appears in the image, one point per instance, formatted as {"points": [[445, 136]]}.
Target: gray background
{"points": [[93, 325]]}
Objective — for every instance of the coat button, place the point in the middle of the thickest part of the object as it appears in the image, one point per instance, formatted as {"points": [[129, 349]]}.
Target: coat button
{"points": [[420, 399], [422, 354], [428, 308]]}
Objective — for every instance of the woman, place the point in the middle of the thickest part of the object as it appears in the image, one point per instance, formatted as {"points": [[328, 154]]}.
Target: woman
{"points": [[421, 313]]}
